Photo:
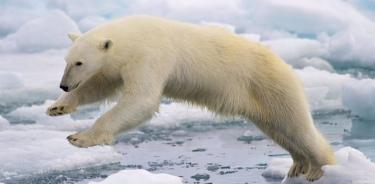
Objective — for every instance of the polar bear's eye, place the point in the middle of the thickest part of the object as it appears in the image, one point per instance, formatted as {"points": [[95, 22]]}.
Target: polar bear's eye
{"points": [[78, 63]]}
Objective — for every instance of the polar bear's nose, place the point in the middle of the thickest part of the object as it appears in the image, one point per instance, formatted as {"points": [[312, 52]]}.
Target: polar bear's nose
{"points": [[65, 88]]}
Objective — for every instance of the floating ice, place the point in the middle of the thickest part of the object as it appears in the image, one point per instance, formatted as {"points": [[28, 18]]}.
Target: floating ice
{"points": [[346, 38], [32, 77], [176, 113], [292, 50], [323, 88], [3, 123], [47, 32], [139, 177], [10, 80], [90, 22], [33, 151], [37, 114], [353, 168], [359, 97]]}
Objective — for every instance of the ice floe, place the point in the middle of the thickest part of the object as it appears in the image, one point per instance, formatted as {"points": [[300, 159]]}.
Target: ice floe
{"points": [[359, 96], [353, 167], [10, 80], [139, 177], [3, 123], [34, 151], [47, 32]]}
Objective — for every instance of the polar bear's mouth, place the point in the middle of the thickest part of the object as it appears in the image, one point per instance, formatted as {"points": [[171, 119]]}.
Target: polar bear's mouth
{"points": [[75, 86]]}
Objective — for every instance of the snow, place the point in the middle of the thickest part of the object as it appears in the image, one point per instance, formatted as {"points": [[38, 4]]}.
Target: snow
{"points": [[324, 89], [47, 32], [41, 145], [176, 113], [10, 80], [353, 168], [292, 50], [359, 96], [36, 113], [90, 22], [329, 91], [316, 29], [140, 177], [38, 150], [3, 123]]}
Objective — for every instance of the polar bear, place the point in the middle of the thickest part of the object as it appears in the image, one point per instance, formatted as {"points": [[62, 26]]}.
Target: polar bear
{"points": [[142, 58]]}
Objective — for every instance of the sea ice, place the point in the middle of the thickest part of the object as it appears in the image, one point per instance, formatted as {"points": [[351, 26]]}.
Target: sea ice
{"points": [[353, 167], [292, 50], [139, 177], [359, 97], [37, 150], [37, 114], [323, 88], [47, 32], [177, 113], [3, 123], [90, 22], [10, 80]]}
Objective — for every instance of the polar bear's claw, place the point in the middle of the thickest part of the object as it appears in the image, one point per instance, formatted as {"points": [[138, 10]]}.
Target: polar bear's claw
{"points": [[314, 174]]}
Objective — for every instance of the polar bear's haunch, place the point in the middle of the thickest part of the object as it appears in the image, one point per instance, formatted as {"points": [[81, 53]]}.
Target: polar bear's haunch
{"points": [[143, 58]]}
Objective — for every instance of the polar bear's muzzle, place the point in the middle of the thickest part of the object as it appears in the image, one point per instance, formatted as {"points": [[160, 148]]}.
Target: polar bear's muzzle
{"points": [[66, 88], [67, 82]]}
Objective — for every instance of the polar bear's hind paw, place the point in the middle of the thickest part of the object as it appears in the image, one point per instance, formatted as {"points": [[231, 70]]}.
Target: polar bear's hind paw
{"points": [[314, 174]]}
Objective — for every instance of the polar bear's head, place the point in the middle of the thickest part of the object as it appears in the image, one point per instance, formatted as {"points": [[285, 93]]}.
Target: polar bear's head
{"points": [[85, 58]]}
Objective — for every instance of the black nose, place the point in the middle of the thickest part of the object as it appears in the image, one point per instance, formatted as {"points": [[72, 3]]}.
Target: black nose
{"points": [[65, 88]]}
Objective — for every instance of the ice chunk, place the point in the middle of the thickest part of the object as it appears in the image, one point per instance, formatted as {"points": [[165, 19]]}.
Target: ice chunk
{"points": [[37, 114], [359, 97], [292, 50], [315, 62], [176, 113], [47, 32], [90, 22], [353, 168], [3, 123], [10, 80], [324, 89], [277, 169], [139, 176], [33, 151]]}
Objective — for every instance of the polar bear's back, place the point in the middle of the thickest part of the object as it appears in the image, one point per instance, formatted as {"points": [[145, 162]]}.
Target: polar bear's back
{"points": [[208, 62]]}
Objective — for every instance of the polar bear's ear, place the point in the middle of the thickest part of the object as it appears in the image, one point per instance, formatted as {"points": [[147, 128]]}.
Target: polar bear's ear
{"points": [[105, 44], [73, 36]]}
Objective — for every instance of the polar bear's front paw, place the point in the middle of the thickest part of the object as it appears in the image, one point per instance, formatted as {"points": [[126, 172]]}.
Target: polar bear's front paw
{"points": [[58, 110], [84, 139]]}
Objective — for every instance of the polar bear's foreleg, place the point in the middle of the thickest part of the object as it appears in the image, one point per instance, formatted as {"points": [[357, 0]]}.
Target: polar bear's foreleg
{"points": [[139, 101], [95, 89], [132, 111]]}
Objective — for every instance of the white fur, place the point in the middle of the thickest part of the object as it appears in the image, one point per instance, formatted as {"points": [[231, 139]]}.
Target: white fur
{"points": [[152, 57]]}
